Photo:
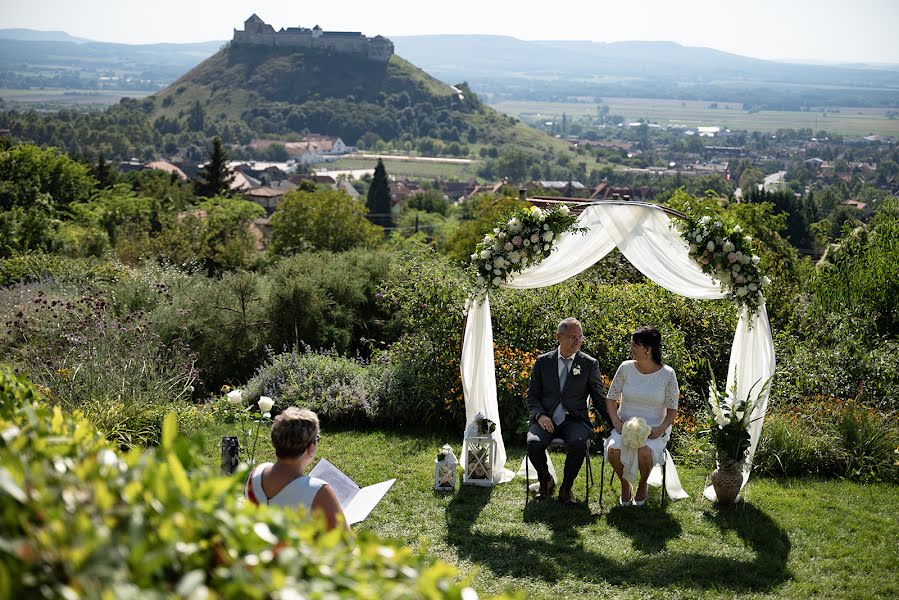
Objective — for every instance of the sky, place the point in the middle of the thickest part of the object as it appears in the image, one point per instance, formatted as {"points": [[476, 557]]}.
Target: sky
{"points": [[809, 30]]}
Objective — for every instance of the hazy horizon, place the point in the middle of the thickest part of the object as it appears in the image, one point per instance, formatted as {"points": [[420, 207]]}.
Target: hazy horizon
{"points": [[801, 30]]}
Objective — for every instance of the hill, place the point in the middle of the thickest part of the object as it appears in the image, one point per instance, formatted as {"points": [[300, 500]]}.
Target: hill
{"points": [[284, 91]]}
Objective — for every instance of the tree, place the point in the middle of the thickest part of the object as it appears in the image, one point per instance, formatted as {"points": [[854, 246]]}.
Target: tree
{"points": [[379, 197], [28, 173], [321, 220], [103, 172], [216, 177], [196, 120]]}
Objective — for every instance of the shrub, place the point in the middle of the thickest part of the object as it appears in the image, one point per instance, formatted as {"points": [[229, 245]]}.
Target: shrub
{"points": [[870, 441], [80, 520], [793, 447], [115, 369], [35, 266], [338, 389]]}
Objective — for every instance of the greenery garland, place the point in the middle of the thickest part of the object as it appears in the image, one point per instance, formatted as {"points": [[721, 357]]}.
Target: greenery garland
{"points": [[721, 250], [521, 239]]}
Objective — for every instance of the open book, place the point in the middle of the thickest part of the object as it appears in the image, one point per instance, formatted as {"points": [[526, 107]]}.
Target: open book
{"points": [[356, 502]]}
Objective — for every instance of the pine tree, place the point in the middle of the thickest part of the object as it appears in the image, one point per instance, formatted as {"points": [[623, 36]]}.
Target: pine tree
{"points": [[216, 178], [103, 172], [378, 198], [196, 120]]}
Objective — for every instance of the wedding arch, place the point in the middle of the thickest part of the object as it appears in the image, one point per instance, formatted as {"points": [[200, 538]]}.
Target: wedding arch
{"points": [[643, 233]]}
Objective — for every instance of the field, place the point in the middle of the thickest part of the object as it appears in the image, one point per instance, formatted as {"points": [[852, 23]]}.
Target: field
{"points": [[848, 121], [432, 168], [56, 98], [792, 538]]}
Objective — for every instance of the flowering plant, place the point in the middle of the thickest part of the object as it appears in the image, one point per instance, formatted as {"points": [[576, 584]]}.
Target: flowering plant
{"points": [[523, 238], [729, 424], [265, 404], [721, 250], [485, 426]]}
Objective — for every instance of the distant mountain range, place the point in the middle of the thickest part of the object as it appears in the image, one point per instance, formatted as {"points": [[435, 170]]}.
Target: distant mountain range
{"points": [[506, 67]]}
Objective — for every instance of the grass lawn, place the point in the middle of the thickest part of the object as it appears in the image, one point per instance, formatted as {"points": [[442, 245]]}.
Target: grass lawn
{"points": [[792, 538]]}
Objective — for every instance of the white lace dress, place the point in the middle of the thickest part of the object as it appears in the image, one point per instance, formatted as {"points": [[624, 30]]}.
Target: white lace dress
{"points": [[648, 396]]}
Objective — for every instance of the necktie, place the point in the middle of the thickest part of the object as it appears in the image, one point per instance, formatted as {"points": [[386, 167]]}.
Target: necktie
{"points": [[559, 413]]}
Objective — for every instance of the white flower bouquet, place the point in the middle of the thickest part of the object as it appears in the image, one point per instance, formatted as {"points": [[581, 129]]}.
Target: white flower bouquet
{"points": [[634, 433]]}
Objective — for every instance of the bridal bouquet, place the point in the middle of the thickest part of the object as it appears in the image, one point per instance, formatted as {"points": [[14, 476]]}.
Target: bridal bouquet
{"points": [[523, 238], [634, 433], [721, 250]]}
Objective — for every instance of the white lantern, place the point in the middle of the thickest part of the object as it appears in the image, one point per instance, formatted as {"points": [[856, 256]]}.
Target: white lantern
{"points": [[445, 470], [479, 451]]}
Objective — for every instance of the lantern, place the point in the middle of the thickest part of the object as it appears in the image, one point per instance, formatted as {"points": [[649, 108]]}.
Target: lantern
{"points": [[445, 470], [479, 451]]}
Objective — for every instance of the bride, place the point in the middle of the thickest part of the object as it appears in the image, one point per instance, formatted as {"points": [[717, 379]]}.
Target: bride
{"points": [[642, 388]]}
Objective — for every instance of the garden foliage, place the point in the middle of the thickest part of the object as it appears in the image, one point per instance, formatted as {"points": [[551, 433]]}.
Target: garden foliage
{"points": [[78, 519]]}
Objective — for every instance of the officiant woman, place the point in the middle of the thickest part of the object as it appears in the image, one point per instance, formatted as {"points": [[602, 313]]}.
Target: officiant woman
{"points": [[643, 388], [295, 436]]}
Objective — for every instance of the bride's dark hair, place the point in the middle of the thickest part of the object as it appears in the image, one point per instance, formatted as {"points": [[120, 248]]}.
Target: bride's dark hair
{"points": [[651, 338]]}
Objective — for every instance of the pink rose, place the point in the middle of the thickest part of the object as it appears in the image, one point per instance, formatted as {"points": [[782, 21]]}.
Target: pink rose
{"points": [[732, 257], [516, 240], [740, 279]]}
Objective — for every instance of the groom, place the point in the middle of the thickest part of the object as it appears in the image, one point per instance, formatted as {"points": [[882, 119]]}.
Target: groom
{"points": [[557, 403]]}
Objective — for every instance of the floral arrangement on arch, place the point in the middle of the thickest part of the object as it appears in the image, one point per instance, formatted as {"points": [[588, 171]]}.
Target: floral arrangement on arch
{"points": [[523, 238], [722, 250]]}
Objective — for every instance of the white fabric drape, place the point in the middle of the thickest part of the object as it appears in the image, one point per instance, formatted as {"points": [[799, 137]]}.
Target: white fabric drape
{"points": [[644, 235]]}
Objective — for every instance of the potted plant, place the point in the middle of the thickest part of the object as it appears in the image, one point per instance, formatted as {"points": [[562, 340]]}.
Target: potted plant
{"points": [[729, 434]]}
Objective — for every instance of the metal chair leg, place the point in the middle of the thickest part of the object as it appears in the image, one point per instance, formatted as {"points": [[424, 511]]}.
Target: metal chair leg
{"points": [[527, 480]]}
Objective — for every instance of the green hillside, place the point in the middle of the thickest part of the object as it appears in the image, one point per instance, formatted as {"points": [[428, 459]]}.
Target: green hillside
{"points": [[283, 91]]}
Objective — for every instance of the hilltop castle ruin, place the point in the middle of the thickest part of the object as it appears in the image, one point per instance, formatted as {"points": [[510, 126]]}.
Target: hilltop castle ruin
{"points": [[258, 32]]}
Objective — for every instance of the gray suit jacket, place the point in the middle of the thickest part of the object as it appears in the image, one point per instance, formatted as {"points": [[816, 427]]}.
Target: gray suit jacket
{"points": [[544, 393]]}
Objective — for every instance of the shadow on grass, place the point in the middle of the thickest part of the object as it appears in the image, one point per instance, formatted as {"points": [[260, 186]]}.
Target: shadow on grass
{"points": [[564, 553]]}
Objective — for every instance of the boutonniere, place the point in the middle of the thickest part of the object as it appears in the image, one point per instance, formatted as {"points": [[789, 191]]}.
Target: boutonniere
{"points": [[576, 370]]}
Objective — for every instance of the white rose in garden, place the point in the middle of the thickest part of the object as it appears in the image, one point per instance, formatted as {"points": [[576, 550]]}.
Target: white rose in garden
{"points": [[480, 281], [753, 287], [548, 236], [265, 404], [235, 397], [536, 212], [502, 235], [497, 272], [693, 248], [474, 256], [736, 268], [515, 258], [546, 227], [698, 237], [705, 220], [564, 211], [737, 229]]}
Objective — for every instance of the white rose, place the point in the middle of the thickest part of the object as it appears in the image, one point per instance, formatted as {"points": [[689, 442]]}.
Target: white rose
{"points": [[502, 235], [546, 227], [728, 247], [693, 248], [742, 291], [265, 404], [753, 287], [526, 243], [498, 262], [515, 258], [485, 254], [508, 247], [497, 281], [710, 246], [474, 256], [755, 259], [705, 220], [736, 268], [698, 237], [235, 397], [497, 272], [564, 211], [546, 247], [536, 212], [745, 259], [766, 281], [535, 238], [480, 281], [548, 236], [737, 229]]}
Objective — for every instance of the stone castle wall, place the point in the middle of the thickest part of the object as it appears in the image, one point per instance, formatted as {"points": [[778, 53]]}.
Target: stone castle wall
{"points": [[257, 32]]}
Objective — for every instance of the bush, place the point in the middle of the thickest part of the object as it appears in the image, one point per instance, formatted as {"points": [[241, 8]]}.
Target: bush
{"points": [[35, 266], [794, 447], [115, 369], [338, 389], [80, 520]]}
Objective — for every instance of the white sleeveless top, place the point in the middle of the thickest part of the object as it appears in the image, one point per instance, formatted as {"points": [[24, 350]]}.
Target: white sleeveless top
{"points": [[299, 492]]}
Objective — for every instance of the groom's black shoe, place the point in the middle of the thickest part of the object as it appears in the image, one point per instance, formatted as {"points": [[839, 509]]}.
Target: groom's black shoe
{"points": [[546, 490]]}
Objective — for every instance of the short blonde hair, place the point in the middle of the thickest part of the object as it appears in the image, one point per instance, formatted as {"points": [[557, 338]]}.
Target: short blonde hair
{"points": [[293, 432]]}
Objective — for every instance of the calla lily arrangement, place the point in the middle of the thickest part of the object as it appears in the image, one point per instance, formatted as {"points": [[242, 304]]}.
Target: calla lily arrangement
{"points": [[265, 405], [729, 423]]}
